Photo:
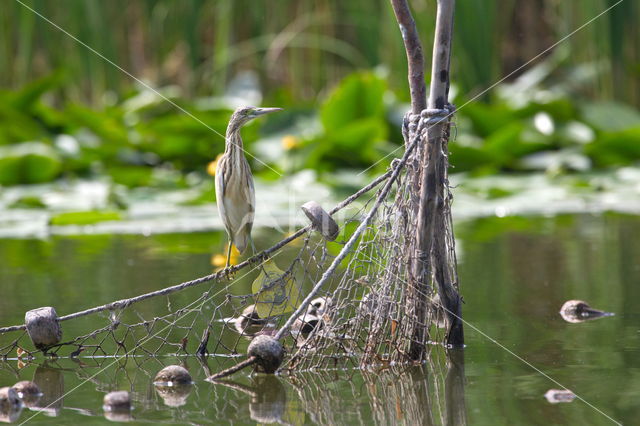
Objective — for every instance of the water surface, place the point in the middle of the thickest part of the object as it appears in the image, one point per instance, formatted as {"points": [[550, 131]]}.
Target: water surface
{"points": [[515, 274]]}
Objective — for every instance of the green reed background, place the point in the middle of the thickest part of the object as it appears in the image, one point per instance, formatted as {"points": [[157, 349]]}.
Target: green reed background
{"points": [[302, 47], [338, 68]]}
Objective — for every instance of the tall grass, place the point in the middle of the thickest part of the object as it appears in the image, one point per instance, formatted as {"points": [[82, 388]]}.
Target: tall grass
{"points": [[300, 47]]}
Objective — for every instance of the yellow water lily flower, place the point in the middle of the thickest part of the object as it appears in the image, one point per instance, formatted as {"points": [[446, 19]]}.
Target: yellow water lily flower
{"points": [[212, 166], [219, 260], [276, 293], [290, 142]]}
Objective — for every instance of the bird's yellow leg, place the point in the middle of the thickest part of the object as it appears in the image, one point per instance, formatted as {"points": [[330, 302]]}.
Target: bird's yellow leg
{"points": [[229, 255], [253, 247]]}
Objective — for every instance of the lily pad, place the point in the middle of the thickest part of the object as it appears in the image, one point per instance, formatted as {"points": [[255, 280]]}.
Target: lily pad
{"points": [[29, 162], [84, 218], [276, 292], [28, 202]]}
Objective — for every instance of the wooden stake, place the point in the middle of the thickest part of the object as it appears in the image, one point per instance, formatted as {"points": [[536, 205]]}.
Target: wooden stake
{"points": [[432, 258], [415, 58], [433, 252]]}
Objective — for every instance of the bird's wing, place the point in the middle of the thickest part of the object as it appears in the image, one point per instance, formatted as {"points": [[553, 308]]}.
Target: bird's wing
{"points": [[220, 191], [236, 203], [252, 197]]}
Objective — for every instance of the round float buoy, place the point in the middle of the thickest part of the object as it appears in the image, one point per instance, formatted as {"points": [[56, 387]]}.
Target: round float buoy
{"points": [[268, 352]]}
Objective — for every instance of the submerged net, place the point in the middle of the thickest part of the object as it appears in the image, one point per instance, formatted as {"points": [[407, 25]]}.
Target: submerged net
{"points": [[428, 394], [366, 312]]}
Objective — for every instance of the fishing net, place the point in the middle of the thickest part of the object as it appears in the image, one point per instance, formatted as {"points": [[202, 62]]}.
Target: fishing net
{"points": [[427, 395], [431, 393], [349, 302]]}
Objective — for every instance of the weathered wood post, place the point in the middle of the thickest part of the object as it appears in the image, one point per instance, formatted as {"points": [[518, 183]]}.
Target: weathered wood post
{"points": [[415, 58], [434, 217], [434, 260]]}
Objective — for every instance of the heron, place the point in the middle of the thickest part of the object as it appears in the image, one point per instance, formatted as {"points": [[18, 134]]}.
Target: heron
{"points": [[235, 193]]}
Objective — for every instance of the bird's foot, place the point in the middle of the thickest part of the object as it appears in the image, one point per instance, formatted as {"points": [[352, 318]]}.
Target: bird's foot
{"points": [[229, 272]]}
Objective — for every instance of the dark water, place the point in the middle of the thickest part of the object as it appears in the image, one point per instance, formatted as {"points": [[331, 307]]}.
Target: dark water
{"points": [[515, 275]]}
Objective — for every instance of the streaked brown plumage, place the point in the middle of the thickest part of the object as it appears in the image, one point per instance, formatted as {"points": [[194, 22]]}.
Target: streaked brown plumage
{"points": [[235, 192]]}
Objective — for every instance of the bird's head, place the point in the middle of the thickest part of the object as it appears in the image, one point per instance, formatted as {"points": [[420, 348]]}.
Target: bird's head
{"points": [[245, 114]]}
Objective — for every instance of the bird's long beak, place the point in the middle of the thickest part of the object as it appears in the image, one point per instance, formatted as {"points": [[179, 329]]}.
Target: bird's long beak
{"points": [[262, 111]]}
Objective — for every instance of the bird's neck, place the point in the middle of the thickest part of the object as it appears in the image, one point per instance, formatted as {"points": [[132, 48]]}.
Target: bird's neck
{"points": [[233, 142]]}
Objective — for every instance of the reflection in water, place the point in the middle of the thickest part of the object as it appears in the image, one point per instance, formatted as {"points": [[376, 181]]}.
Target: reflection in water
{"points": [[429, 394], [29, 392], [117, 406], [10, 405], [516, 273], [426, 395], [51, 383], [268, 400], [174, 396], [454, 388], [556, 396], [118, 416], [173, 383]]}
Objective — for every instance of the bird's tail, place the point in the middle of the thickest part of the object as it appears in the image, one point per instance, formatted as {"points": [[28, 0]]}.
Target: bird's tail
{"points": [[242, 239]]}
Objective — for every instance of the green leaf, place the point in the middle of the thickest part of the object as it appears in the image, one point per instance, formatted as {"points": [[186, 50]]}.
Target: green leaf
{"points": [[507, 145], [358, 96], [358, 134], [84, 218], [40, 167], [110, 129], [131, 176], [615, 148], [10, 169], [353, 146], [275, 293], [27, 96], [466, 158], [29, 162], [561, 109], [610, 116], [28, 202], [487, 119], [17, 125], [501, 144]]}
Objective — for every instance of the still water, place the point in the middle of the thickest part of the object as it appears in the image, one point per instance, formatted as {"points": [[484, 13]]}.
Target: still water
{"points": [[515, 274]]}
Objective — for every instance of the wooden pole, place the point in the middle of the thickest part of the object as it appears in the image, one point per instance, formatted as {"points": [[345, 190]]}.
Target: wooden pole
{"points": [[433, 256], [415, 58], [416, 307], [432, 252]]}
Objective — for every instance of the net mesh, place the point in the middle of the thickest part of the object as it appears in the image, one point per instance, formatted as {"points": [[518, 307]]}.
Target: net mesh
{"points": [[426, 394], [366, 313]]}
